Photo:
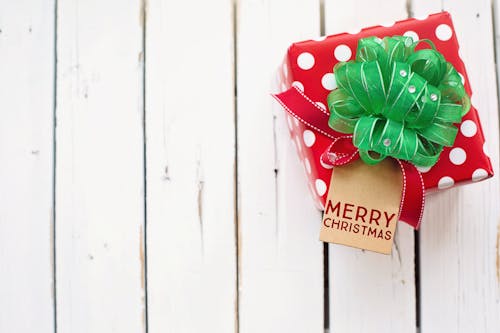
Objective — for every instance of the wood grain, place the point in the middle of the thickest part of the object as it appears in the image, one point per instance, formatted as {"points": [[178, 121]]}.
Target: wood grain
{"points": [[190, 136], [180, 202], [26, 151], [100, 169], [280, 257]]}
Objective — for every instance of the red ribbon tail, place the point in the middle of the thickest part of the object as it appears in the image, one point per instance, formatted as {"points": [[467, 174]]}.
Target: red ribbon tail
{"points": [[413, 196], [297, 104]]}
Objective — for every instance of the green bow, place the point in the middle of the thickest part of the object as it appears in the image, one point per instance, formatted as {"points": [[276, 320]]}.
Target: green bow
{"points": [[398, 102]]}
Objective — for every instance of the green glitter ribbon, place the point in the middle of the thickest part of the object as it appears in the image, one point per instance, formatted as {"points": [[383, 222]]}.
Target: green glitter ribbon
{"points": [[397, 101]]}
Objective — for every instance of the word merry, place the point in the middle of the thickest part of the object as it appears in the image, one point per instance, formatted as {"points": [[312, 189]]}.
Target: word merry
{"points": [[358, 213]]}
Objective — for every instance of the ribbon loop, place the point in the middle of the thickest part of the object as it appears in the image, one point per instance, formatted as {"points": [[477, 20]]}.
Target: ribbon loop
{"points": [[398, 102]]}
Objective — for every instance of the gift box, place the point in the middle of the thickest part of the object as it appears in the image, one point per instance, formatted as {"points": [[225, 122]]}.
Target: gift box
{"points": [[308, 66]]}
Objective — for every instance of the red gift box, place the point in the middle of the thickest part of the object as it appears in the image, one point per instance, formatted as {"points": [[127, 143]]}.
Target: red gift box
{"points": [[308, 66]]}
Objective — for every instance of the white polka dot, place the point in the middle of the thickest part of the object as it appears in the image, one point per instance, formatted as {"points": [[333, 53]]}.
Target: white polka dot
{"points": [[460, 54], [307, 165], [298, 84], [324, 165], [388, 24], [412, 34], [443, 32], [486, 151], [479, 174], [319, 38], [309, 138], [423, 169], [462, 78], [320, 187], [321, 105], [342, 52], [421, 17], [305, 60], [445, 182], [328, 81], [296, 121], [468, 128], [354, 31], [458, 156], [474, 101]]}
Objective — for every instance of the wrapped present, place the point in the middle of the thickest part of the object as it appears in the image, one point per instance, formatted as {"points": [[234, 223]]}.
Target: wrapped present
{"points": [[342, 107]]}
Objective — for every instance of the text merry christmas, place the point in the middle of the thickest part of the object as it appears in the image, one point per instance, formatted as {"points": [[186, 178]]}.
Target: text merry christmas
{"points": [[348, 217]]}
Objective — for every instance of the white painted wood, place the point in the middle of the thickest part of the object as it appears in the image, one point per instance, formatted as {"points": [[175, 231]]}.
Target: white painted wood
{"points": [[99, 167], [280, 257], [191, 234], [458, 241], [190, 126], [26, 152], [371, 292], [351, 16]]}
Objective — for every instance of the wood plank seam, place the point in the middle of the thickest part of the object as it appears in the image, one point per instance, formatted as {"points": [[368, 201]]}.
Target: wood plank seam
{"points": [[54, 179], [143, 244], [237, 236]]}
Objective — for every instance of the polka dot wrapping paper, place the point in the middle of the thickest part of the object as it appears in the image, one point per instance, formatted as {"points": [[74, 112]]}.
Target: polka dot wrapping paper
{"points": [[309, 67]]}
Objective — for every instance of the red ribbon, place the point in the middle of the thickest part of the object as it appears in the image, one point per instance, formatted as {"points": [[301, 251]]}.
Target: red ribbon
{"points": [[342, 151]]}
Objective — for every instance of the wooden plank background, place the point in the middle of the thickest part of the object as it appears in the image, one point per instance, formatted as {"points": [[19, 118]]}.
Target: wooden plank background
{"points": [[26, 171], [149, 184], [99, 177]]}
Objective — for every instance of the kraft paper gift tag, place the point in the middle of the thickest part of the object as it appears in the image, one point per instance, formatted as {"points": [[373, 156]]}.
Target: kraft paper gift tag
{"points": [[362, 207]]}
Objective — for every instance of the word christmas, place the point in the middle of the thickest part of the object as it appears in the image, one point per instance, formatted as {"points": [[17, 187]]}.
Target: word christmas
{"points": [[358, 220]]}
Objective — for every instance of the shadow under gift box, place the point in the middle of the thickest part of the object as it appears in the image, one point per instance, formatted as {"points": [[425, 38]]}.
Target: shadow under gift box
{"points": [[309, 67]]}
